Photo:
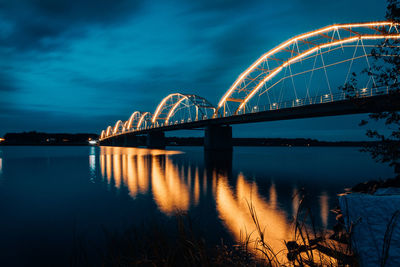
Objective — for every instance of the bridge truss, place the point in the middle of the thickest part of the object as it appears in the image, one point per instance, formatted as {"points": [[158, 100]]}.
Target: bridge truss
{"points": [[307, 69]]}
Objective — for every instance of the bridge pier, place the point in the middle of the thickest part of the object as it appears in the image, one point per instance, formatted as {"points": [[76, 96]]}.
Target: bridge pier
{"points": [[155, 140], [218, 138], [131, 140]]}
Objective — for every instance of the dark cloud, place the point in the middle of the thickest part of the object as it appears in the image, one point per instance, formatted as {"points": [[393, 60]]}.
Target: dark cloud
{"points": [[233, 51], [220, 5], [142, 92], [19, 120], [7, 84], [36, 23], [118, 71]]}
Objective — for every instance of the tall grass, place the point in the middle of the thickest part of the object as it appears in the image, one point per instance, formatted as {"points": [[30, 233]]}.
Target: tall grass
{"points": [[156, 245]]}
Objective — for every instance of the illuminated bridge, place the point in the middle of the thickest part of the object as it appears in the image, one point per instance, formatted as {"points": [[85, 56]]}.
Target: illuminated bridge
{"points": [[303, 77]]}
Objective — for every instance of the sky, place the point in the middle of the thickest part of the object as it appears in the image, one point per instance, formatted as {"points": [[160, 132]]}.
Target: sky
{"points": [[81, 65]]}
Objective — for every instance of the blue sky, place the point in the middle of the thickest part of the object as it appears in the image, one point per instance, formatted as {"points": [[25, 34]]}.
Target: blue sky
{"points": [[78, 66]]}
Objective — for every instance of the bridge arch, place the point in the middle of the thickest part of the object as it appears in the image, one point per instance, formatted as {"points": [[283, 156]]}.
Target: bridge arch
{"points": [[119, 127], [133, 120], [177, 102], [144, 121], [277, 65], [103, 134], [109, 131]]}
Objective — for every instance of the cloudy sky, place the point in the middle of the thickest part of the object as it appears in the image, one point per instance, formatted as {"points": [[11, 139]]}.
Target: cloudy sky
{"points": [[78, 66]]}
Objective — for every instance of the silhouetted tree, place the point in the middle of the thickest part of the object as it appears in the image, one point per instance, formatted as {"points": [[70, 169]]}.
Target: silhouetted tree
{"points": [[384, 70]]}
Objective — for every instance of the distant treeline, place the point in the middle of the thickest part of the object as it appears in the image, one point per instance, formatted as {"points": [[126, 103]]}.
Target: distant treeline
{"points": [[37, 138], [198, 141]]}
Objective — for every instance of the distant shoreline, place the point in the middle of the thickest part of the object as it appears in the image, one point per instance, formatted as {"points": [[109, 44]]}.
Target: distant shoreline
{"points": [[82, 139], [47, 139], [298, 142]]}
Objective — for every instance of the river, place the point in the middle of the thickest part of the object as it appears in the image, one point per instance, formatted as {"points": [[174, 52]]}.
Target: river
{"points": [[51, 195]]}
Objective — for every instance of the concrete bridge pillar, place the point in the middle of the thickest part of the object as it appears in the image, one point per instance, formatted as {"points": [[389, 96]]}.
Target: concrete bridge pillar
{"points": [[218, 138], [155, 140], [131, 140]]}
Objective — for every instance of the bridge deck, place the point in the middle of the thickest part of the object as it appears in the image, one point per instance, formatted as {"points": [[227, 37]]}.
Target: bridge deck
{"points": [[387, 102]]}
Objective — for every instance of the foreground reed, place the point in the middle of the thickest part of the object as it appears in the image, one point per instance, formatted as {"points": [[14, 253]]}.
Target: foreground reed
{"points": [[156, 245]]}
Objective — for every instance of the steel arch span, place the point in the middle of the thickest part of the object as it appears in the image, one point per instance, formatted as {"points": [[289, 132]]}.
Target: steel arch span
{"points": [[144, 121], [132, 124], [109, 131], [118, 127], [103, 134], [133, 121], [310, 68], [303, 69], [181, 108]]}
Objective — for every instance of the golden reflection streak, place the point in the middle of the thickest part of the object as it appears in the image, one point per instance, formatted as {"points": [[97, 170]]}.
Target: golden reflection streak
{"points": [[117, 169], [102, 164], [295, 202], [132, 176], [143, 173], [182, 172], [214, 182], [273, 197], [1, 166], [170, 193], [108, 167], [189, 177], [324, 203], [235, 213], [204, 183], [129, 166], [124, 169], [196, 189]]}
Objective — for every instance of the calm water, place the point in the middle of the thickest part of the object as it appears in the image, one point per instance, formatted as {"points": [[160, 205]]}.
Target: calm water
{"points": [[48, 195]]}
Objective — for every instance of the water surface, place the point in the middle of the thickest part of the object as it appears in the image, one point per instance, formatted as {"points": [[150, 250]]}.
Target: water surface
{"points": [[52, 196]]}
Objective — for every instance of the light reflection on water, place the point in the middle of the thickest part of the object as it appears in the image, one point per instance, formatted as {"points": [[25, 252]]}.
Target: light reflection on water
{"points": [[136, 168], [176, 188], [1, 170], [92, 164], [1, 167], [234, 208], [324, 204], [46, 192]]}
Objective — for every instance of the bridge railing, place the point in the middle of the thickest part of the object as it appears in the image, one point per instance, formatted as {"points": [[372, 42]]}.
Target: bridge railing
{"points": [[320, 99]]}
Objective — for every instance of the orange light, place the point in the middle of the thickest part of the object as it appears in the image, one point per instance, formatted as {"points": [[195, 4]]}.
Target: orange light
{"points": [[129, 124], [117, 124], [109, 131], [171, 112], [294, 40], [306, 53], [141, 119], [158, 109]]}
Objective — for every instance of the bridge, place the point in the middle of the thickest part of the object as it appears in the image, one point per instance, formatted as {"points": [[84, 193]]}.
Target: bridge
{"points": [[303, 77]]}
